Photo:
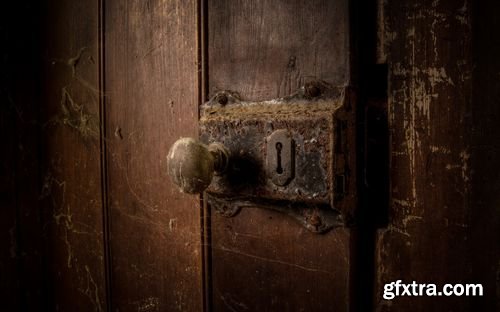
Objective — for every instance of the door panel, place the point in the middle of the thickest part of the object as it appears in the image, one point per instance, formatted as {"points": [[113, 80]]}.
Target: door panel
{"points": [[151, 84], [443, 103], [70, 184], [264, 262], [261, 260]]}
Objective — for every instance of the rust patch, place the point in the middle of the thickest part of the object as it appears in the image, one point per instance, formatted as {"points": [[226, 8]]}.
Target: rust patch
{"points": [[320, 123]]}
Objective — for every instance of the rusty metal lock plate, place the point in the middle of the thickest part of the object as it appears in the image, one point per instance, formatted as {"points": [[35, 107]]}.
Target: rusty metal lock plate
{"points": [[294, 151]]}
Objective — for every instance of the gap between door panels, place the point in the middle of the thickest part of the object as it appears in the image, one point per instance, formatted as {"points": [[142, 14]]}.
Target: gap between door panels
{"points": [[104, 154], [370, 75]]}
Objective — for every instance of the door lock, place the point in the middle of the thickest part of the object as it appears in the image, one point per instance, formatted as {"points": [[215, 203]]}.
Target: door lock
{"points": [[294, 154]]}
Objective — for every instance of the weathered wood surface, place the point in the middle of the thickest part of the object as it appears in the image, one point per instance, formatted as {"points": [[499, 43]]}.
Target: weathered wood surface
{"points": [[267, 49], [70, 181], [151, 85], [261, 260], [444, 87], [443, 114]]}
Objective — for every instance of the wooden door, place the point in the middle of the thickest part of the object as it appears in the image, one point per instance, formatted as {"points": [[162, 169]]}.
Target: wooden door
{"points": [[262, 260], [98, 90]]}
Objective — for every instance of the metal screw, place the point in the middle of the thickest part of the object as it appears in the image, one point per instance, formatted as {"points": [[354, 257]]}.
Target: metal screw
{"points": [[222, 99], [315, 220]]}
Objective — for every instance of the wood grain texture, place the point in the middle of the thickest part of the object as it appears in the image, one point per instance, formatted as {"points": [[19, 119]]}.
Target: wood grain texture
{"points": [[443, 104], [151, 101], [70, 158], [261, 260], [267, 49]]}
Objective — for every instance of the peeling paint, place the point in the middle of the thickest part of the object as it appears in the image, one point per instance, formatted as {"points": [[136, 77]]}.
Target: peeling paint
{"points": [[430, 88], [440, 149], [395, 229], [401, 202], [149, 304], [465, 157], [411, 218], [437, 75]]}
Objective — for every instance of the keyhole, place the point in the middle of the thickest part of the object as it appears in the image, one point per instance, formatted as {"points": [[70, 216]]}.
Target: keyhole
{"points": [[279, 146]]}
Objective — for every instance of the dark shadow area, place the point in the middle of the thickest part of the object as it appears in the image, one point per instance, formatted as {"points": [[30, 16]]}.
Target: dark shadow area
{"points": [[484, 139], [371, 81], [244, 173], [22, 286]]}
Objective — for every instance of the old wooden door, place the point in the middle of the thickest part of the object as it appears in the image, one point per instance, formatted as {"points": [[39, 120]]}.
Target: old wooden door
{"points": [[97, 225]]}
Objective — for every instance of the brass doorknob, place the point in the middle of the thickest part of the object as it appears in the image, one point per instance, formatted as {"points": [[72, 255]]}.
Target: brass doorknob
{"points": [[192, 164]]}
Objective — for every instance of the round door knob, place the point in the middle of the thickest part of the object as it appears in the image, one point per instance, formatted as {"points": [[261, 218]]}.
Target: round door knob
{"points": [[192, 164]]}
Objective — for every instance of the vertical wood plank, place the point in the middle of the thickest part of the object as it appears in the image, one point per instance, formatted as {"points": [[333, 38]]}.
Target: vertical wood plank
{"points": [[70, 158], [444, 130], [151, 100], [263, 261]]}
